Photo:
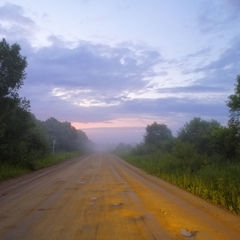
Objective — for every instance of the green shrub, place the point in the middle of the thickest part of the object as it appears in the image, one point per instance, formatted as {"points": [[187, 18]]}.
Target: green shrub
{"points": [[208, 177]]}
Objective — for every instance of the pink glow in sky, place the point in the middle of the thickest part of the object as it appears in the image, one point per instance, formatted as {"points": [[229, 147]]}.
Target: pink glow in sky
{"points": [[113, 67]]}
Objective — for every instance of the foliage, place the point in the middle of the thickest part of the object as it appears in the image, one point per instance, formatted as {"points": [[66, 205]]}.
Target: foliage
{"points": [[12, 69], [157, 133], [18, 133], [24, 139], [207, 177], [198, 132], [234, 107], [63, 133], [12, 74], [9, 171], [83, 143], [121, 149], [51, 159], [203, 158], [225, 143], [67, 137]]}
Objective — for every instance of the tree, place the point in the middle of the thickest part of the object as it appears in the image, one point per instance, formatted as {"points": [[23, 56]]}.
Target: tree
{"points": [[157, 134], [234, 104], [122, 148], [198, 133], [12, 74], [83, 143], [21, 141], [225, 143], [12, 69], [66, 136]]}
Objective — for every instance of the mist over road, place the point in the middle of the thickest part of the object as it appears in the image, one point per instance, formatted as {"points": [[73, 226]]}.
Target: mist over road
{"points": [[100, 196]]}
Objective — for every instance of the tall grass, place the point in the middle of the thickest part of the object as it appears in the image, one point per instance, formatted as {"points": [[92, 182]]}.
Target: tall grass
{"points": [[215, 181], [54, 159], [9, 171]]}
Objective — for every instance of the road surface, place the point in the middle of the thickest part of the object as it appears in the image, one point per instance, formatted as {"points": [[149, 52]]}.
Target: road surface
{"points": [[100, 196]]}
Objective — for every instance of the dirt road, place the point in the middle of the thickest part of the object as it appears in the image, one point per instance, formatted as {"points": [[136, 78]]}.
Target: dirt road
{"points": [[102, 197]]}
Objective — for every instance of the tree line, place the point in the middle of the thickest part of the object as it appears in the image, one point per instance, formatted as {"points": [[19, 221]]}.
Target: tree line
{"points": [[23, 138], [204, 137], [203, 158]]}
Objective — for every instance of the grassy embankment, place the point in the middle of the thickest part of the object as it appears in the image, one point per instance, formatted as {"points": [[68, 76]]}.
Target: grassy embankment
{"points": [[216, 181], [9, 171]]}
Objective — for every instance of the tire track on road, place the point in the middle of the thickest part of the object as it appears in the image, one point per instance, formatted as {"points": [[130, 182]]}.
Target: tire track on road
{"points": [[101, 197]]}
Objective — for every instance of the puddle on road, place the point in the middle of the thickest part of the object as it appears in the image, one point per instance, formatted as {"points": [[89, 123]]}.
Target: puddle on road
{"points": [[138, 218], [117, 204], [41, 209], [80, 182], [93, 199], [132, 215], [187, 233]]}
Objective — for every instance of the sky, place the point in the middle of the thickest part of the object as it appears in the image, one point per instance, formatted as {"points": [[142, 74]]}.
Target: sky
{"points": [[113, 67]]}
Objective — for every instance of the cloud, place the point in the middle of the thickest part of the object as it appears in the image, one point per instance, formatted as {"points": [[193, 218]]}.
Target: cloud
{"points": [[221, 72], [172, 106], [14, 14], [229, 59], [90, 82], [96, 83], [91, 74], [199, 53], [14, 24], [218, 15]]}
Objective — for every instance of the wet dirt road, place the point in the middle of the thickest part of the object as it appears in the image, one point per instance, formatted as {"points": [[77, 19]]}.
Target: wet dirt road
{"points": [[102, 197]]}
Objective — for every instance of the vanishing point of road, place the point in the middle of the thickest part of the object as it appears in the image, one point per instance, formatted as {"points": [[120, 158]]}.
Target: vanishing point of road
{"points": [[100, 196]]}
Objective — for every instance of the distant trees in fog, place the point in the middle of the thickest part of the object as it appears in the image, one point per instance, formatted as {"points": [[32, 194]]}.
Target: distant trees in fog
{"points": [[23, 138]]}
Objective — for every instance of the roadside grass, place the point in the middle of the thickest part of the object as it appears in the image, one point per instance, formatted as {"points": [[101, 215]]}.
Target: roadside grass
{"points": [[54, 159], [216, 181], [8, 171]]}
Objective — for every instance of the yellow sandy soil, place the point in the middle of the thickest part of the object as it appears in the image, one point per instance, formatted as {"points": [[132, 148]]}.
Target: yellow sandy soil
{"points": [[102, 197]]}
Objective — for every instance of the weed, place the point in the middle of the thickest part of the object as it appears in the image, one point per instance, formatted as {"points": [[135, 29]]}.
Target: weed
{"points": [[10, 170], [215, 182]]}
